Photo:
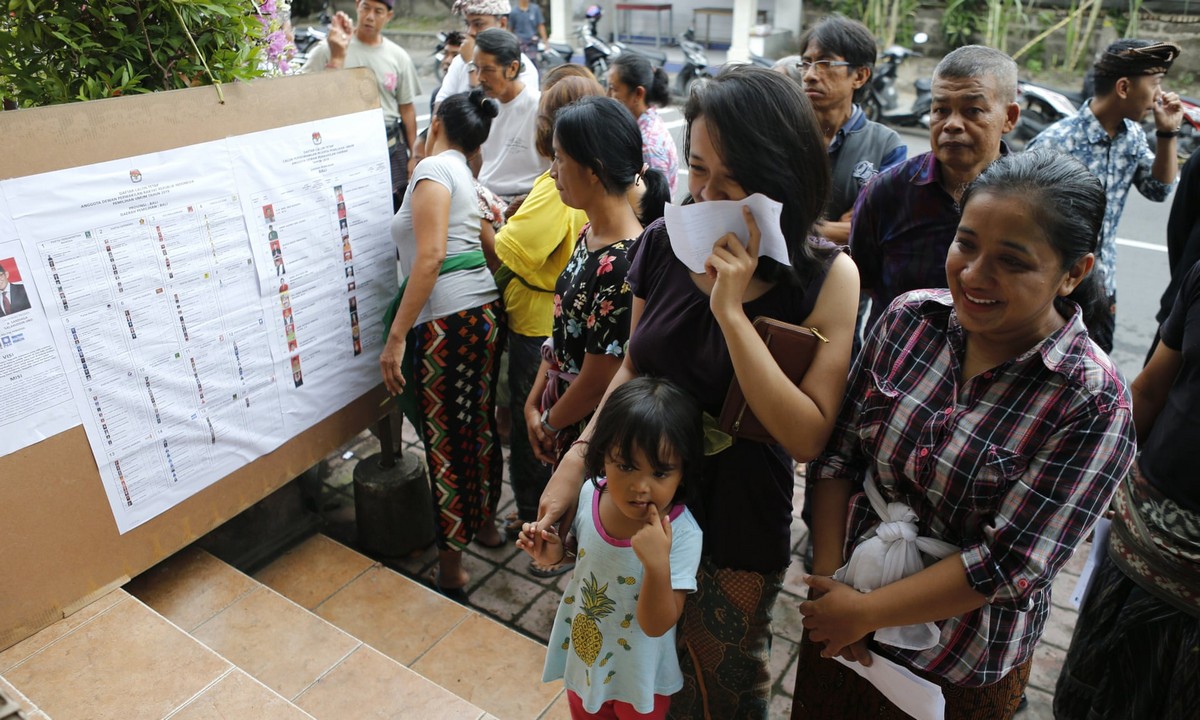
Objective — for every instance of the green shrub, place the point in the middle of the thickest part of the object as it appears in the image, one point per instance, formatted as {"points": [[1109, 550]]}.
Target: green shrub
{"points": [[55, 52]]}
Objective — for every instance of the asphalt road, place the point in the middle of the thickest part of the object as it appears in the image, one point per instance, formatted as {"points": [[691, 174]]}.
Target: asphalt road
{"points": [[1142, 272]]}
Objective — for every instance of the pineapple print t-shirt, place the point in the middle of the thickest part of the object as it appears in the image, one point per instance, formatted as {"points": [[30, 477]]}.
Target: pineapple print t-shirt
{"points": [[596, 646]]}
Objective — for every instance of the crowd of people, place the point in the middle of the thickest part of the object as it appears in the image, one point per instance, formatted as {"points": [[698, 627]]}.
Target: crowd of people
{"points": [[960, 411]]}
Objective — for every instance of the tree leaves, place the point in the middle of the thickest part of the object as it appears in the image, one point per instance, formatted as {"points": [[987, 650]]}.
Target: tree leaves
{"points": [[63, 52]]}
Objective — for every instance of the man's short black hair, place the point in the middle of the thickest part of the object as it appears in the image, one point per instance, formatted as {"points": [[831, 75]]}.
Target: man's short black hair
{"points": [[841, 36]]}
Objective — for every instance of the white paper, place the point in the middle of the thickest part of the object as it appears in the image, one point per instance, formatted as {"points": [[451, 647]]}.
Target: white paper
{"points": [[1099, 547], [695, 228], [163, 299], [144, 268], [317, 198], [914, 695], [35, 397]]}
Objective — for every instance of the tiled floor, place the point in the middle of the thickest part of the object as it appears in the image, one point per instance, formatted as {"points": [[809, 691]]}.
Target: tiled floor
{"points": [[502, 588]]}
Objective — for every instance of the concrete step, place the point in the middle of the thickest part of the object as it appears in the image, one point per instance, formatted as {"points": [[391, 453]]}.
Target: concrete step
{"points": [[321, 633], [117, 658], [454, 646]]}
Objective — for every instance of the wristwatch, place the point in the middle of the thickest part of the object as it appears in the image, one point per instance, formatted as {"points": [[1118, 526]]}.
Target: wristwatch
{"points": [[546, 422]]}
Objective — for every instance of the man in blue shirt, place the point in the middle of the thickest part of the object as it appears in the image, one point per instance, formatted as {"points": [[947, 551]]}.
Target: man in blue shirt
{"points": [[1106, 137], [528, 24]]}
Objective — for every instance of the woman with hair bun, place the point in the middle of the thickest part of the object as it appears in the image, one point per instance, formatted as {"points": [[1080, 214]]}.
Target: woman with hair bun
{"points": [[443, 335], [640, 87]]}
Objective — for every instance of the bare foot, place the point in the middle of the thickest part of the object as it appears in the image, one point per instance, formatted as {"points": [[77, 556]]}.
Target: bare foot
{"points": [[488, 536]]}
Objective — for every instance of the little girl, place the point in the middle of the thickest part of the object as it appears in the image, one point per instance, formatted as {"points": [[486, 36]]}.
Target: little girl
{"points": [[613, 640]]}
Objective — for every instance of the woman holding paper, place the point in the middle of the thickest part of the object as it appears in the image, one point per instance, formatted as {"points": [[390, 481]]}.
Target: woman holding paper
{"points": [[695, 329], [446, 317], [984, 417]]}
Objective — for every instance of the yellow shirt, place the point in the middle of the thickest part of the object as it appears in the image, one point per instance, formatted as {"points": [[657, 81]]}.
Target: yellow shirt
{"points": [[536, 244]]}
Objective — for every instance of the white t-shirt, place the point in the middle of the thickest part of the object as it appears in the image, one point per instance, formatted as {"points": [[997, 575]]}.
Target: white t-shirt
{"points": [[458, 80], [511, 162], [455, 291]]}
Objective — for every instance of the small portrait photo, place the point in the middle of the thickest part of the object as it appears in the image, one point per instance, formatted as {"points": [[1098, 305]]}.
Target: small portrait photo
{"points": [[349, 271], [14, 297], [297, 377], [268, 214]]}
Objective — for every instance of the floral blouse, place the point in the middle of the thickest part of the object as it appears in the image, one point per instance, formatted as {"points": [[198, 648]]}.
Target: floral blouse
{"points": [[592, 304], [658, 147]]}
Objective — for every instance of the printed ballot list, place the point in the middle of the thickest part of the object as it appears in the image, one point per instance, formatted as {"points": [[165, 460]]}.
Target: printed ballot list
{"points": [[212, 301]]}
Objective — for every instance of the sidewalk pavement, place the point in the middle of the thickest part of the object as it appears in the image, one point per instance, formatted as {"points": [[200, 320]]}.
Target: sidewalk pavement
{"points": [[502, 587]]}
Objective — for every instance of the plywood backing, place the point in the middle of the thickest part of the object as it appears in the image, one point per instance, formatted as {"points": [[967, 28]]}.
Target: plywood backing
{"points": [[59, 544]]}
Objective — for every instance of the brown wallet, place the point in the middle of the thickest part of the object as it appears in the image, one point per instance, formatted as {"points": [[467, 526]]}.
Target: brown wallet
{"points": [[793, 348]]}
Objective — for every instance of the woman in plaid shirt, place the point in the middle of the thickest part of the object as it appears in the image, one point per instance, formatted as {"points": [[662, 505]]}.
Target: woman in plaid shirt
{"points": [[988, 410]]}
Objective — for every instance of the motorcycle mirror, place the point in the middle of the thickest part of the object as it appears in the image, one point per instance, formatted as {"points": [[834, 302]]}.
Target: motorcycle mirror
{"points": [[921, 38]]}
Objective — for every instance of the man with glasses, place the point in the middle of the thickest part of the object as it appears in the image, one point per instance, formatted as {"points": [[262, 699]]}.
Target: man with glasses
{"points": [[836, 60], [479, 15], [364, 45], [905, 220], [510, 159]]}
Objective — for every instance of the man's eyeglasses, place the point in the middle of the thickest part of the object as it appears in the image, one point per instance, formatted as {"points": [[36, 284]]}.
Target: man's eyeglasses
{"points": [[822, 66], [482, 69]]}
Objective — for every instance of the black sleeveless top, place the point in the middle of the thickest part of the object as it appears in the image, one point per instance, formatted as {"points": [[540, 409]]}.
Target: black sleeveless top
{"points": [[745, 501]]}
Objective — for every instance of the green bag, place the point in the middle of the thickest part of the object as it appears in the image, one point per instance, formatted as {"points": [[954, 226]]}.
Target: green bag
{"points": [[408, 400]]}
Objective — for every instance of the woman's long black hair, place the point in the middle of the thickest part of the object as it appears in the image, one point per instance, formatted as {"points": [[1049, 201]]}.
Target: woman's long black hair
{"points": [[769, 140]]}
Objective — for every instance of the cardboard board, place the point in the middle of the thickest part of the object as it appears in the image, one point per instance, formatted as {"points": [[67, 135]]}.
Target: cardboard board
{"points": [[59, 545]]}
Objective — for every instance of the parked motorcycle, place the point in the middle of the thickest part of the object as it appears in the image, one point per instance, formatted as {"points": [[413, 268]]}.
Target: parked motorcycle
{"points": [[598, 54], [549, 54], [307, 39], [881, 102], [1041, 107], [695, 64]]}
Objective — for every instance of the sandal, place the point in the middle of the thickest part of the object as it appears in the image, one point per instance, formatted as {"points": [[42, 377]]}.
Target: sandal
{"points": [[458, 594], [555, 570]]}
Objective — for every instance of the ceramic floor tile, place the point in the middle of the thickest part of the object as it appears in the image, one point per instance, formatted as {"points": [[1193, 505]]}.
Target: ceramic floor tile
{"points": [[492, 667], [190, 587], [313, 570], [560, 710], [237, 695], [47, 635], [377, 687], [392, 614], [17, 697], [113, 667], [281, 644]]}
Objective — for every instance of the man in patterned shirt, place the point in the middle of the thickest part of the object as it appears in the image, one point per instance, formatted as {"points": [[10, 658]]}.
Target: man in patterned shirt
{"points": [[1106, 137], [905, 218]]}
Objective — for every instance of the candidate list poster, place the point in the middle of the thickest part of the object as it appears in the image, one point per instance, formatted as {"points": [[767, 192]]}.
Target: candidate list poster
{"points": [[317, 201], [145, 271]]}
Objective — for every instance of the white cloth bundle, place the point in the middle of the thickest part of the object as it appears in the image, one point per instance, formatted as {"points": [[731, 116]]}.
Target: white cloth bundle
{"points": [[891, 551]]}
